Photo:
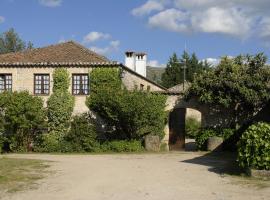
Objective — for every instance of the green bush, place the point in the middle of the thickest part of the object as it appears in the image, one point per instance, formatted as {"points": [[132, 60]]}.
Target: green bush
{"points": [[254, 147], [202, 137], [192, 127], [49, 142], [60, 103], [82, 135], [130, 114], [23, 119], [122, 146]]}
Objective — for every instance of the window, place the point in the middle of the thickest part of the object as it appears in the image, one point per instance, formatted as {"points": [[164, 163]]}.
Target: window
{"points": [[141, 86], [148, 87], [5, 82], [41, 84], [80, 84]]}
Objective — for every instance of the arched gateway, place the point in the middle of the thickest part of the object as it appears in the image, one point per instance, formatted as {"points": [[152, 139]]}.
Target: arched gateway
{"points": [[179, 111]]}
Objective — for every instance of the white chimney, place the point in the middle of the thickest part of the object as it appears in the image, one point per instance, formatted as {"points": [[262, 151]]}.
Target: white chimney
{"points": [[130, 60], [140, 65]]}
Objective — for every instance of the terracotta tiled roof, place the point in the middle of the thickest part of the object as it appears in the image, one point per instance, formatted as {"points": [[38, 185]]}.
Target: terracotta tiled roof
{"points": [[68, 52]]}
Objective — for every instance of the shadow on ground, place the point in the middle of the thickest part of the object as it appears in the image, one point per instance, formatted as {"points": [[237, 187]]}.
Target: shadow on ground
{"points": [[218, 162]]}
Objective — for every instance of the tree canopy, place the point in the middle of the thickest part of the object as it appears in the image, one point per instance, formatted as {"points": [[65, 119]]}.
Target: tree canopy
{"points": [[174, 72], [240, 84], [11, 42]]}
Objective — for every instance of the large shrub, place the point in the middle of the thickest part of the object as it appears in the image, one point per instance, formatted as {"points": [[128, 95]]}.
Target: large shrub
{"points": [[60, 103], [203, 135], [82, 134], [121, 146], [23, 119], [254, 147], [130, 114]]}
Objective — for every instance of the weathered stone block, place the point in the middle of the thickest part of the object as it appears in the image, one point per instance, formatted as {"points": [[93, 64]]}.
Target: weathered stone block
{"points": [[265, 174], [152, 143], [214, 143]]}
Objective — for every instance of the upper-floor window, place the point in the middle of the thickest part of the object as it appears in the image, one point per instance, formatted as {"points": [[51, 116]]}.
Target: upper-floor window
{"points": [[80, 84], [5, 82], [141, 86], [41, 84]]}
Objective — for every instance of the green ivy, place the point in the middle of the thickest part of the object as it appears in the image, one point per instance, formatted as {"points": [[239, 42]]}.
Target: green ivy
{"points": [[61, 80], [60, 104], [131, 114], [254, 147]]}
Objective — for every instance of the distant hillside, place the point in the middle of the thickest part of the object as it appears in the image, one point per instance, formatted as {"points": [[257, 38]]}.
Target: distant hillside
{"points": [[154, 73]]}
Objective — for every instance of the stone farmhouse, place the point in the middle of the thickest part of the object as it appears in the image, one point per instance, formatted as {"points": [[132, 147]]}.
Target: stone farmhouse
{"points": [[32, 70]]}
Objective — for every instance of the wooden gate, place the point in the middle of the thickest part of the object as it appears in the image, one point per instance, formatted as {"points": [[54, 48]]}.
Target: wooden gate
{"points": [[177, 129]]}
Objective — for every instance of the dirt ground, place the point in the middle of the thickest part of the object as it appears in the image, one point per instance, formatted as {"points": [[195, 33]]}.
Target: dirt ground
{"points": [[171, 176]]}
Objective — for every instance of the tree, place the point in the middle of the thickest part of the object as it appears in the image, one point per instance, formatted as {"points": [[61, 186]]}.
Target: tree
{"points": [[23, 118], [11, 42], [240, 85], [130, 114], [174, 72]]}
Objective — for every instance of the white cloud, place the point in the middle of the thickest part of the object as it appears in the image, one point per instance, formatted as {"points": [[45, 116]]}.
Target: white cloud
{"points": [[219, 20], [265, 28], [112, 47], [95, 36], [2, 19], [61, 40], [155, 63], [50, 3], [171, 20], [238, 18], [212, 61], [147, 8]]}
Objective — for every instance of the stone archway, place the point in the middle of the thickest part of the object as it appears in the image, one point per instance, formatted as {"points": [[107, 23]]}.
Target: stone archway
{"points": [[179, 110]]}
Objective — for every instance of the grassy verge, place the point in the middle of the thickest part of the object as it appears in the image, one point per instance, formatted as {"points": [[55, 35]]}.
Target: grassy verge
{"points": [[20, 174]]}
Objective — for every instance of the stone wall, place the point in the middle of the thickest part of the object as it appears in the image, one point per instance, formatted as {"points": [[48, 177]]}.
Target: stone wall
{"points": [[130, 80], [23, 79]]}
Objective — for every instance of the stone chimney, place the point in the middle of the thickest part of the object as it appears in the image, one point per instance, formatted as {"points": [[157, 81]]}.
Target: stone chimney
{"points": [[130, 60], [136, 62]]}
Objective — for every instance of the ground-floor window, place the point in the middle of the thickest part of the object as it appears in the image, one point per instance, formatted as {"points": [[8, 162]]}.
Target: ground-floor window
{"points": [[5, 82], [80, 84], [42, 84]]}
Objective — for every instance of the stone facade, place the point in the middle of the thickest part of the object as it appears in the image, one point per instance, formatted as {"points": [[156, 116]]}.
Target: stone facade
{"points": [[23, 79], [132, 80]]}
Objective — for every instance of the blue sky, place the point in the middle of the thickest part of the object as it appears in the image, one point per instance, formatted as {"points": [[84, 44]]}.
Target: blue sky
{"points": [[210, 28]]}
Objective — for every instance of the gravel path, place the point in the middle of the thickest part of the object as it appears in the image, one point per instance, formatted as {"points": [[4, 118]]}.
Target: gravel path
{"points": [[171, 176]]}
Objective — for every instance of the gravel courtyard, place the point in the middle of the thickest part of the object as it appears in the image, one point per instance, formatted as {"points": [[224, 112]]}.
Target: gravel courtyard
{"points": [[171, 176]]}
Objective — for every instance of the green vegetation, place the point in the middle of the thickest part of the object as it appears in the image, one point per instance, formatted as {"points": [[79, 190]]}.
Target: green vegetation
{"points": [[130, 114], [19, 174], [193, 127], [121, 146], [204, 134], [23, 118], [174, 73], [239, 85], [254, 147], [82, 135], [11, 42], [60, 108]]}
